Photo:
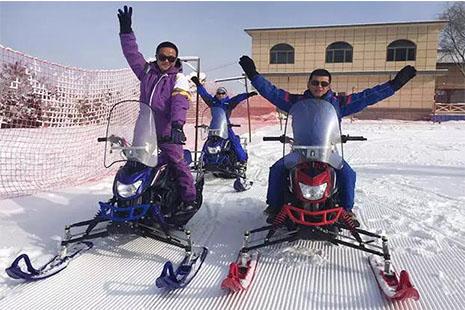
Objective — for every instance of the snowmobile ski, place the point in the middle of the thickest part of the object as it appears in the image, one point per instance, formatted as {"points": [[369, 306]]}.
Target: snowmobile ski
{"points": [[186, 271], [242, 184], [55, 265], [393, 287], [242, 272]]}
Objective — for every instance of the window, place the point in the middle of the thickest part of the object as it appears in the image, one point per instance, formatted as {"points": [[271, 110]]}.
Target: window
{"points": [[282, 54], [339, 52], [401, 50]]}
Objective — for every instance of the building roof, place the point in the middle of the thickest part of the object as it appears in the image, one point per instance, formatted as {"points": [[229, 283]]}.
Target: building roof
{"points": [[250, 30]]}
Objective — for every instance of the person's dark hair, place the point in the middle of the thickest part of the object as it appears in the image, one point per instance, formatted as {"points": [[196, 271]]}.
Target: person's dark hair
{"points": [[167, 44], [320, 72]]}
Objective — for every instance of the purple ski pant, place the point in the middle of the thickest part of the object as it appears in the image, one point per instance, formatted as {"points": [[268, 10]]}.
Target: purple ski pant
{"points": [[173, 155]]}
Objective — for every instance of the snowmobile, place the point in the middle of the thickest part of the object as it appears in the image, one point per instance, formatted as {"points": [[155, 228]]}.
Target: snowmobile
{"points": [[145, 201], [218, 156], [311, 210]]}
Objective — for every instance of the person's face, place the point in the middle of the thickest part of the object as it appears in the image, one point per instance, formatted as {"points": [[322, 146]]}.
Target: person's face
{"points": [[220, 95], [319, 85], [166, 58]]}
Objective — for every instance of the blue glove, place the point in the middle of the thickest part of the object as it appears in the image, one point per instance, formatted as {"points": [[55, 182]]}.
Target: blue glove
{"points": [[177, 134]]}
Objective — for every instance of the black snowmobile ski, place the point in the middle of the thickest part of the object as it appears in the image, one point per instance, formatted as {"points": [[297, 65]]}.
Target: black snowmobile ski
{"points": [[74, 244], [54, 266], [185, 272]]}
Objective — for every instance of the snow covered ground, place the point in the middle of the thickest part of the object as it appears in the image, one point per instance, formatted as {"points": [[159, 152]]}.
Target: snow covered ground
{"points": [[410, 183]]}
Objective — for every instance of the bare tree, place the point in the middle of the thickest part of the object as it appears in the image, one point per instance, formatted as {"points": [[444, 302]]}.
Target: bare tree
{"points": [[452, 40]]}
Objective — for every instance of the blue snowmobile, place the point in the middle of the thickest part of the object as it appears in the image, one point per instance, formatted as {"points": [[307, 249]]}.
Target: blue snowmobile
{"points": [[145, 202], [218, 156]]}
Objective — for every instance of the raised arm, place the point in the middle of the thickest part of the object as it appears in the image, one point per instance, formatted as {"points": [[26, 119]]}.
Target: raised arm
{"points": [[202, 91], [278, 97], [128, 43], [358, 101], [234, 101]]}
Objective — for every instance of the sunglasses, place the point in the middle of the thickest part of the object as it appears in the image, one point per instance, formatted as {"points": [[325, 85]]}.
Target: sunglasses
{"points": [[221, 93], [316, 83], [164, 57]]}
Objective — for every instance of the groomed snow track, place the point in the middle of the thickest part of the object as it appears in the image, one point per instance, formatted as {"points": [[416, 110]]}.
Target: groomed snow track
{"points": [[120, 273]]}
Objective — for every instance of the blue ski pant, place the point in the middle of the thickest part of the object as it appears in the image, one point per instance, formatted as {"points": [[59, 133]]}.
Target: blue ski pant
{"points": [[236, 146], [277, 186]]}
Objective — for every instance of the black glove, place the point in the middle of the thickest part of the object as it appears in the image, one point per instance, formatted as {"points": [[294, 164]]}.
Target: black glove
{"points": [[403, 76], [177, 134], [248, 66], [125, 20], [252, 93], [195, 80]]}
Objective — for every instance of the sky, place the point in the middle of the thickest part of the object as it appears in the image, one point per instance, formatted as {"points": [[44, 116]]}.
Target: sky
{"points": [[85, 34]]}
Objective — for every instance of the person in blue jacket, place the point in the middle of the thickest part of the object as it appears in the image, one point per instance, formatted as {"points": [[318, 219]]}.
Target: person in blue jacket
{"points": [[319, 86], [222, 100]]}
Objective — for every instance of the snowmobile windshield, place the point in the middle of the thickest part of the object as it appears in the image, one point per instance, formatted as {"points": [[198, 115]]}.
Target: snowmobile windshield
{"points": [[219, 123], [316, 131], [131, 134]]}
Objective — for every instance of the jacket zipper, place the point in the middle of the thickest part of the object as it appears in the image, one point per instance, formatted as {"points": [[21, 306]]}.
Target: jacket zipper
{"points": [[155, 87]]}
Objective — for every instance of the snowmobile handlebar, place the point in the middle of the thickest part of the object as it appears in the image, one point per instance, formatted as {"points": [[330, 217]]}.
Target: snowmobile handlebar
{"points": [[286, 139], [345, 138], [206, 126], [282, 139]]}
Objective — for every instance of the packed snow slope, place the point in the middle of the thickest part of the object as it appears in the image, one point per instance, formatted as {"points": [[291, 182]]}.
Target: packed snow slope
{"points": [[410, 183]]}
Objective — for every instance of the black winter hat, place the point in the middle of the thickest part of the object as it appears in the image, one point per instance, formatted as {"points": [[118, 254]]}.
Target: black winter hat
{"points": [[167, 44]]}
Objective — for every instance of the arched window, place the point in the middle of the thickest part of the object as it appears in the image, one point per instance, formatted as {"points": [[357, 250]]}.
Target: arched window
{"points": [[282, 54], [401, 50], [339, 52]]}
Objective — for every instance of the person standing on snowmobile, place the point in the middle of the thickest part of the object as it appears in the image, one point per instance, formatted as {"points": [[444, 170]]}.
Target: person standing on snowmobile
{"points": [[166, 90], [222, 100], [319, 86]]}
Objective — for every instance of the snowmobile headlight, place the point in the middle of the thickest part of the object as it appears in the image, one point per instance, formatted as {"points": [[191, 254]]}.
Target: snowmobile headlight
{"points": [[127, 190], [213, 149], [313, 192]]}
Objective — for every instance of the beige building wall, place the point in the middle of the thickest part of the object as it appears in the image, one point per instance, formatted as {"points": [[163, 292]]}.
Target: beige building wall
{"points": [[369, 66]]}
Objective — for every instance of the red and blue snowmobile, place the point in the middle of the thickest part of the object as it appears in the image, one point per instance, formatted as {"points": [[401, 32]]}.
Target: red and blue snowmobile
{"points": [[311, 210], [145, 202]]}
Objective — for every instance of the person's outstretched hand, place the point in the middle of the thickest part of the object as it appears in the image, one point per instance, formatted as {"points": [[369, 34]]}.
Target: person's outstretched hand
{"points": [[248, 66], [125, 20], [195, 80], [403, 76]]}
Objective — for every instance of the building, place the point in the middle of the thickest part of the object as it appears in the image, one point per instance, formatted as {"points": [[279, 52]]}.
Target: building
{"points": [[358, 56]]}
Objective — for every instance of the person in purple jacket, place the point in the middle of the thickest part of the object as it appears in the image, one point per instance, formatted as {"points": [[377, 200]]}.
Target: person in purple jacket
{"points": [[166, 90]]}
